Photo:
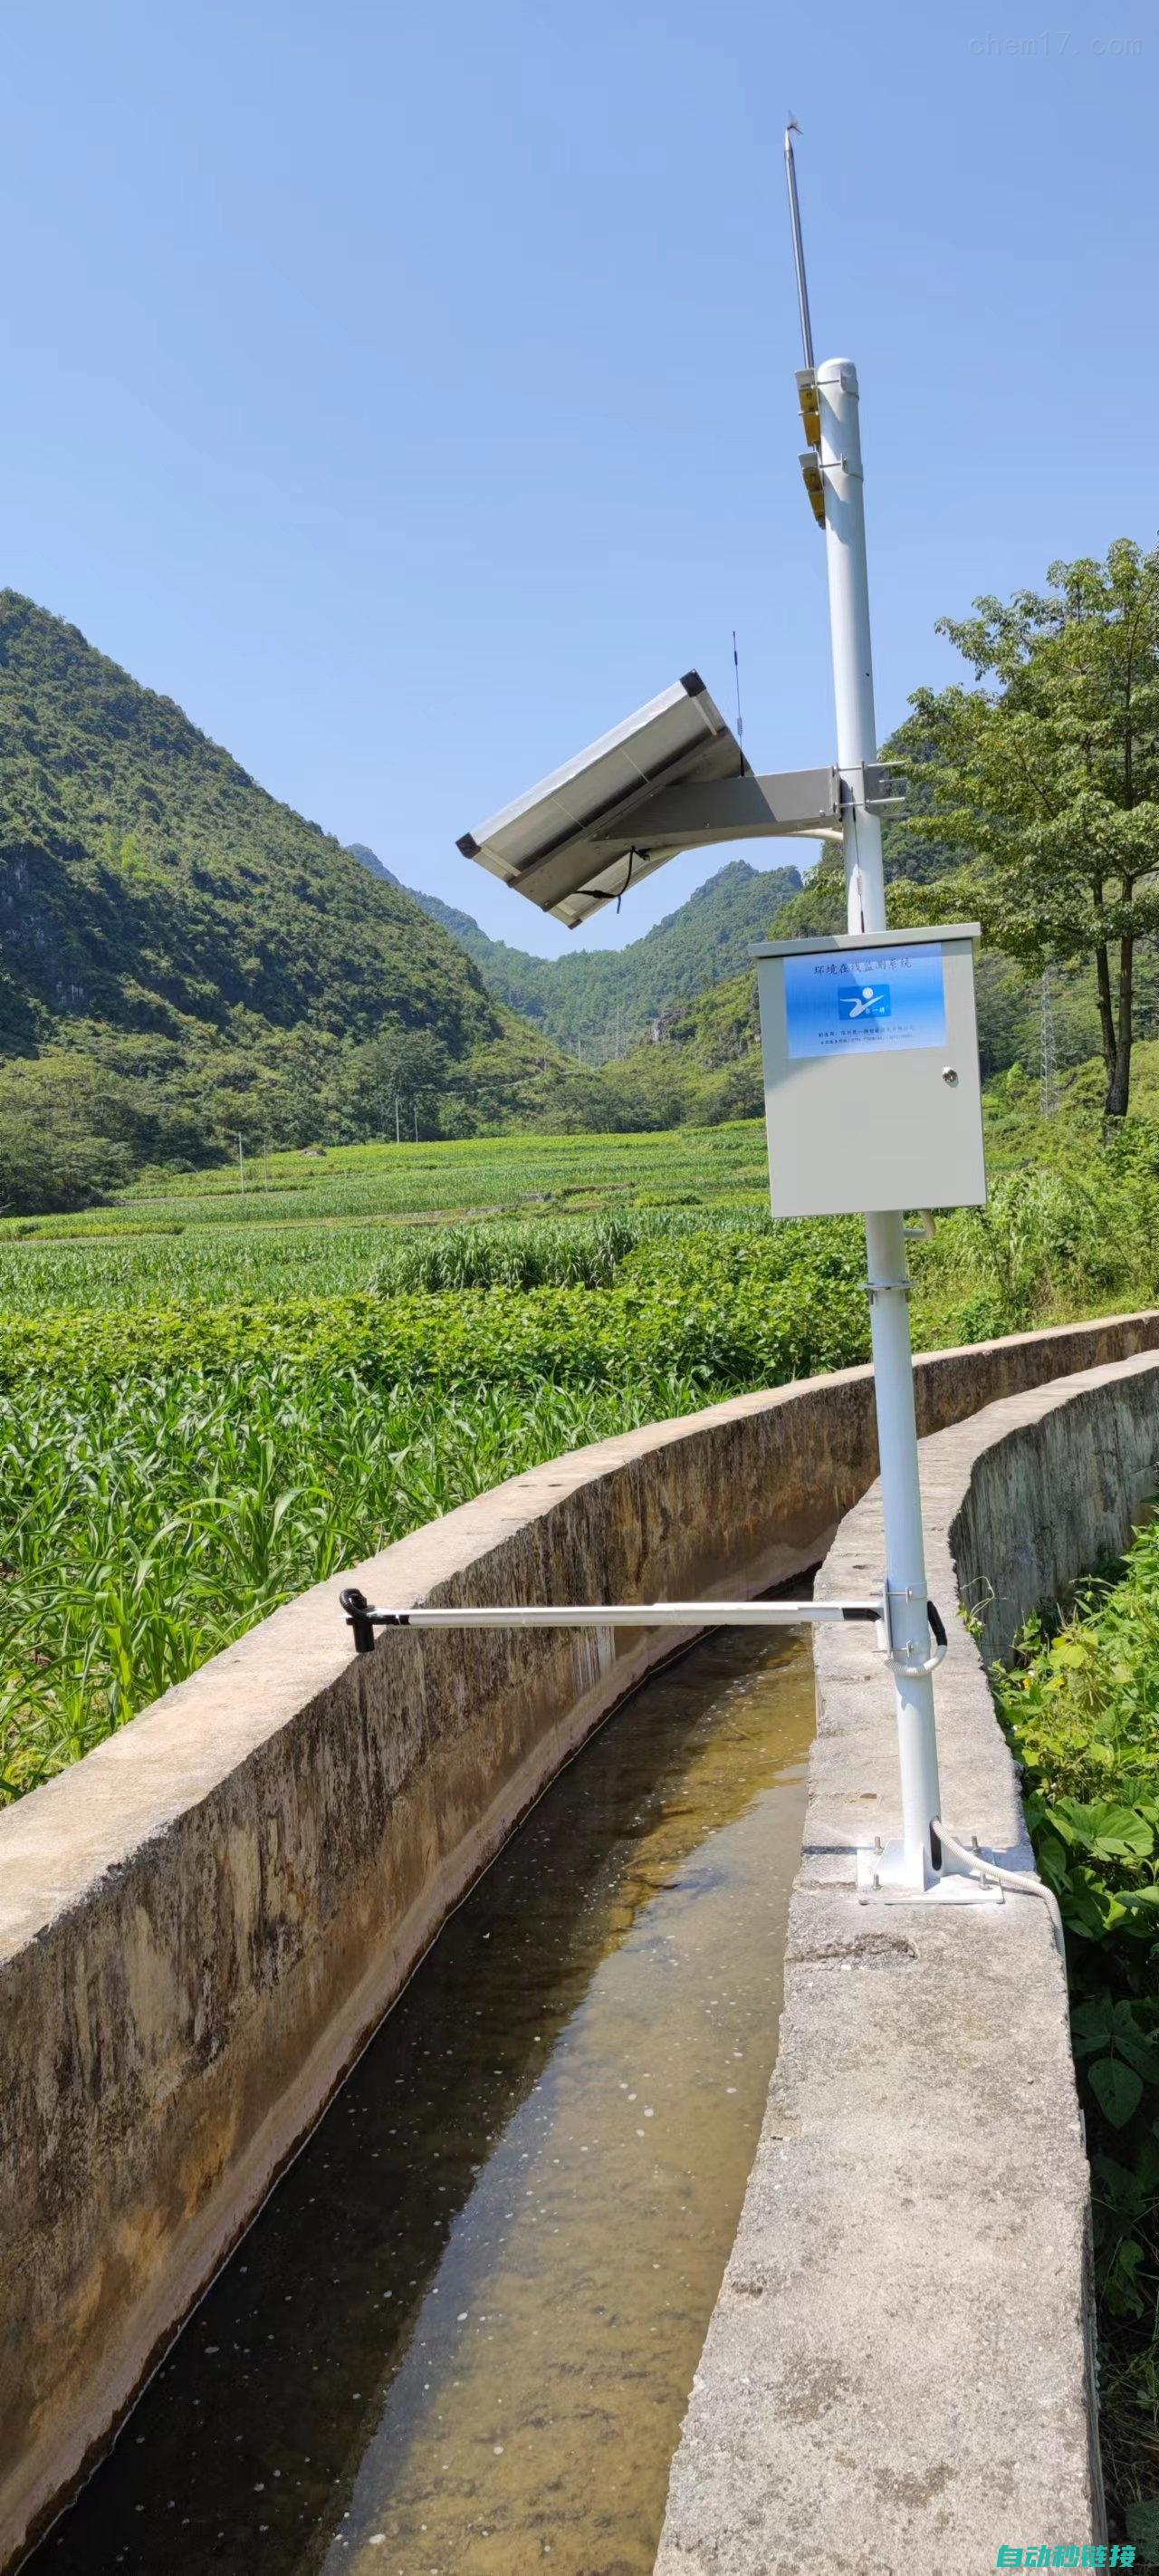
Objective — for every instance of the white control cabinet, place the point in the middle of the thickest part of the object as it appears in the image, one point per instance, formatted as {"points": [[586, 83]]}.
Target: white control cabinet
{"points": [[872, 1091]]}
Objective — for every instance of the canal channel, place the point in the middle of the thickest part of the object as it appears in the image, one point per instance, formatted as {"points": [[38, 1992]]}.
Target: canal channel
{"points": [[460, 2337]]}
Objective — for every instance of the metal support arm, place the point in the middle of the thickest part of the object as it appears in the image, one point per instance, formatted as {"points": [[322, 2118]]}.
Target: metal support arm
{"points": [[603, 1614], [362, 1619], [693, 814]]}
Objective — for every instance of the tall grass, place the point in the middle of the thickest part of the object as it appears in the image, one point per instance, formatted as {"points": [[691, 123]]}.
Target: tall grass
{"points": [[551, 1254], [1049, 1245], [199, 1264], [146, 1525], [152, 1513]]}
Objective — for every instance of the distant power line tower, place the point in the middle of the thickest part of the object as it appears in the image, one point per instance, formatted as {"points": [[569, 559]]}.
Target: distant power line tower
{"points": [[1047, 1063]]}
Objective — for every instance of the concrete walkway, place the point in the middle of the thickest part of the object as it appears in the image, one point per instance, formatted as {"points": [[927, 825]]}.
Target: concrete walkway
{"points": [[898, 2373]]}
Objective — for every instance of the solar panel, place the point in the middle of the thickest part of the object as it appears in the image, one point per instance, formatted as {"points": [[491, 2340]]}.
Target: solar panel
{"points": [[580, 838], [672, 778]]}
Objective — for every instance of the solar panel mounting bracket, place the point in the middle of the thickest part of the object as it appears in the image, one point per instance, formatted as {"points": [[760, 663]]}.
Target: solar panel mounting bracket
{"points": [[672, 777], [778, 806]]}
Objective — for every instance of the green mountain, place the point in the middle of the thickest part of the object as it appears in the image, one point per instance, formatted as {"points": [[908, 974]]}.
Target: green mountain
{"points": [[183, 959], [607, 1000], [706, 1064], [148, 882], [185, 962]]}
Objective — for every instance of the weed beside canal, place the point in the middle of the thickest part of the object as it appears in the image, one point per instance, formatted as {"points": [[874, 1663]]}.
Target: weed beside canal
{"points": [[1080, 1704]]}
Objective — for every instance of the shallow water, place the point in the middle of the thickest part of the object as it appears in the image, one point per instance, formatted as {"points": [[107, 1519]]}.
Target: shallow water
{"points": [[460, 2339]]}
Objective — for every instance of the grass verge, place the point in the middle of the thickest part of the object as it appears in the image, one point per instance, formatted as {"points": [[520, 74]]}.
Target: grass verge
{"points": [[1080, 1705]]}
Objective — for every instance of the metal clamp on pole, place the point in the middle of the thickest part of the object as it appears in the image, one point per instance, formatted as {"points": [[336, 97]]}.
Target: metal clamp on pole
{"points": [[896, 1656]]}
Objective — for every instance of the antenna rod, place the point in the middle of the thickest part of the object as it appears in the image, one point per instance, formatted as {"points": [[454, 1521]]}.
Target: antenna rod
{"points": [[791, 129]]}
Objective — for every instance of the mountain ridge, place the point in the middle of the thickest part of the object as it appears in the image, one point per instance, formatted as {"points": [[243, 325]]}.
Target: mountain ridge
{"points": [[148, 880], [184, 959], [606, 1000]]}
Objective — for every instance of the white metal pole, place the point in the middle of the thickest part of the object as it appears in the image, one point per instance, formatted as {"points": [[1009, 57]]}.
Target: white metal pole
{"points": [[884, 1233]]}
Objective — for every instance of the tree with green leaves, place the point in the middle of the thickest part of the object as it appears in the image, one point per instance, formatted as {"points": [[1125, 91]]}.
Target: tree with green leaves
{"points": [[1046, 776], [402, 1072]]}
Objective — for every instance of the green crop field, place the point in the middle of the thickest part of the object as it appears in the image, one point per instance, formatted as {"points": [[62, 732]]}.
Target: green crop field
{"points": [[331, 1223], [387, 1182], [210, 1399]]}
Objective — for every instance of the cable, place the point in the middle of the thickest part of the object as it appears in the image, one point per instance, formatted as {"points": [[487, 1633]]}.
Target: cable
{"points": [[603, 894], [856, 891], [1021, 1882], [633, 855]]}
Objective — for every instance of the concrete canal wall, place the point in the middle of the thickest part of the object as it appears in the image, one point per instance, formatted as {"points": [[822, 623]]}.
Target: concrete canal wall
{"points": [[203, 1921], [900, 2362]]}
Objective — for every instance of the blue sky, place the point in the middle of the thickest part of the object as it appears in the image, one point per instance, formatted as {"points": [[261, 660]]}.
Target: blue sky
{"points": [[408, 390]]}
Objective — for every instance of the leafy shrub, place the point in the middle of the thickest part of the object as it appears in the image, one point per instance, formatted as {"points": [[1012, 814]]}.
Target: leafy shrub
{"points": [[1050, 1242], [543, 1255], [758, 1328], [1081, 1709]]}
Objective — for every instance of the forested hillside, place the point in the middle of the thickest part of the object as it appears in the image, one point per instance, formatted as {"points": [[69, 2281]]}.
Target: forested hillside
{"points": [[189, 969], [605, 1000], [184, 961], [707, 1065], [149, 882]]}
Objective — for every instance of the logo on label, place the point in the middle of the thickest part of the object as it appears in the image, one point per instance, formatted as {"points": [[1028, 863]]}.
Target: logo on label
{"points": [[863, 1002]]}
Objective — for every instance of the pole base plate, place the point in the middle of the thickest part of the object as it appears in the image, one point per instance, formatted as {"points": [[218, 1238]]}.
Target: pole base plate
{"points": [[886, 1872]]}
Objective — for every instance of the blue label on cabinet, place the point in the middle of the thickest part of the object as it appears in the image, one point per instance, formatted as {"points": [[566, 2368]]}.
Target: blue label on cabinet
{"points": [[863, 1002], [881, 998]]}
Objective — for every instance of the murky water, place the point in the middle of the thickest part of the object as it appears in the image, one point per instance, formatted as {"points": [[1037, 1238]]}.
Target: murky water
{"points": [[460, 2339]]}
